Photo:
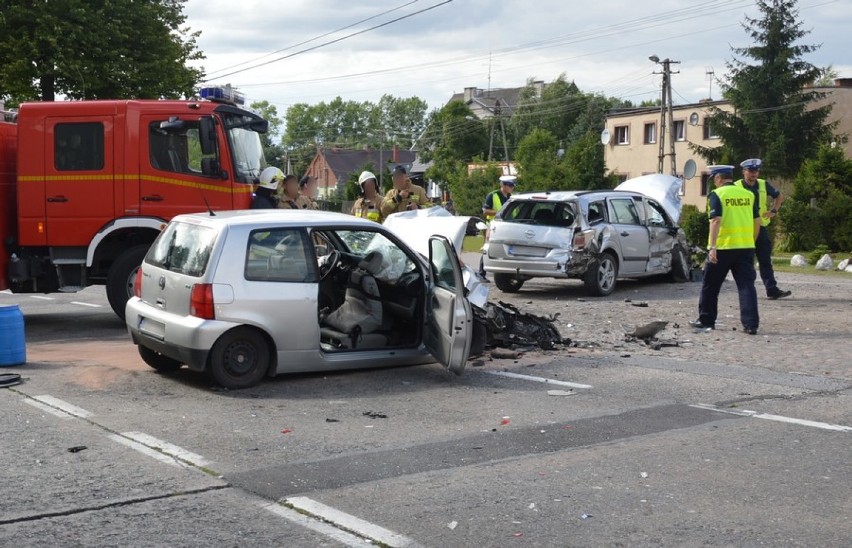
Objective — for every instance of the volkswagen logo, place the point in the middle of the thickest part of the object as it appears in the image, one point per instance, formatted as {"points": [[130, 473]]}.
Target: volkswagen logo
{"points": [[162, 282], [529, 234]]}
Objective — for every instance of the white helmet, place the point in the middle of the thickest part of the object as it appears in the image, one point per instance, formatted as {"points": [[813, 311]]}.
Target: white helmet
{"points": [[366, 176], [270, 177]]}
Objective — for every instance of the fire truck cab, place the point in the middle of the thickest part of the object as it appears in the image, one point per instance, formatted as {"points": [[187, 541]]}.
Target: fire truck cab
{"points": [[86, 186]]}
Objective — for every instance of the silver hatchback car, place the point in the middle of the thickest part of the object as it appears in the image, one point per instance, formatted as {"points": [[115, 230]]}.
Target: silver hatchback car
{"points": [[598, 236], [248, 294]]}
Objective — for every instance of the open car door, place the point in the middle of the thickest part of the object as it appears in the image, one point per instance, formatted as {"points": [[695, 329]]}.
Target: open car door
{"points": [[449, 319]]}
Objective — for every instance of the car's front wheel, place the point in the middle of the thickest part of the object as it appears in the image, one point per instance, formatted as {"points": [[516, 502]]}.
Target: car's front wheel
{"points": [[239, 359], [508, 283], [156, 360], [601, 275], [680, 265]]}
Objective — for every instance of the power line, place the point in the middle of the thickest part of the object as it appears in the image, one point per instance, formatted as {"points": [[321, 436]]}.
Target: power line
{"points": [[336, 40]]}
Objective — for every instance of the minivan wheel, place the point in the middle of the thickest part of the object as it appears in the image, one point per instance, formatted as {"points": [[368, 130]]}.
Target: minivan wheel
{"points": [[508, 283], [119, 282], [680, 265], [601, 275], [239, 359], [158, 361]]}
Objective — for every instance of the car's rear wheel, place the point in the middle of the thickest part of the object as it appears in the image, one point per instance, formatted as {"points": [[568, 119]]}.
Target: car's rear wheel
{"points": [[119, 283], [240, 358], [601, 275], [680, 265], [158, 361], [508, 283]]}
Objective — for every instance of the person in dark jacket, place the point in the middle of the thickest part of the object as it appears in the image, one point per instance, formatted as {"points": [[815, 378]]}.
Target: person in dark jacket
{"points": [[264, 195]]}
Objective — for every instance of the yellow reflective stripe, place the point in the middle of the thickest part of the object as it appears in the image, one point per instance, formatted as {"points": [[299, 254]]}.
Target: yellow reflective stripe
{"points": [[237, 188]]}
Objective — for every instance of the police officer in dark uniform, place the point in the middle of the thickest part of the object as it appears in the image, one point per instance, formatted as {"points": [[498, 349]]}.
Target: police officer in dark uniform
{"points": [[763, 191], [734, 225]]}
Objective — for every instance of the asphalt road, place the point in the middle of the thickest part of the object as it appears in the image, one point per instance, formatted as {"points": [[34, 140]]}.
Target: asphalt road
{"points": [[633, 449]]}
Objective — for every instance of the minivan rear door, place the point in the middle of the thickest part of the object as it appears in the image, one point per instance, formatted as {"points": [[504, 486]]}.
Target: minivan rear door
{"points": [[449, 318]]}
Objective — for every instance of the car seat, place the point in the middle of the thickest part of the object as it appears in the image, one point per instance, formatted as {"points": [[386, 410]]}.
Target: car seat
{"points": [[354, 322]]}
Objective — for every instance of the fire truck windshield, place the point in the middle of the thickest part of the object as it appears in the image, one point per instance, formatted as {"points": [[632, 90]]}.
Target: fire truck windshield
{"points": [[245, 144]]}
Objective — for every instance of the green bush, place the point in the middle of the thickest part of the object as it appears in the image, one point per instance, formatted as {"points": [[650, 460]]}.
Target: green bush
{"points": [[695, 225], [817, 253]]}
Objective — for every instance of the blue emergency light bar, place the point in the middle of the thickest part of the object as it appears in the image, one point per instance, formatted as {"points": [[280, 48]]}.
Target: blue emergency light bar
{"points": [[223, 94]]}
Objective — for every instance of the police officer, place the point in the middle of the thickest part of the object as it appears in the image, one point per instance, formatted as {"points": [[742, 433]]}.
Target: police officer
{"points": [[734, 225], [763, 191], [264, 195], [494, 201], [404, 195], [369, 204]]}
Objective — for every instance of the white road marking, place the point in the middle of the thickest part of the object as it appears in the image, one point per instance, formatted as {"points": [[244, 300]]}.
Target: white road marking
{"points": [[344, 537], [776, 418], [145, 450], [63, 406], [47, 409], [90, 305], [170, 449], [537, 379], [349, 522], [42, 298]]}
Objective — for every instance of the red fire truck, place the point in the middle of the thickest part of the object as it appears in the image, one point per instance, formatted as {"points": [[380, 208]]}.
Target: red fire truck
{"points": [[86, 186]]}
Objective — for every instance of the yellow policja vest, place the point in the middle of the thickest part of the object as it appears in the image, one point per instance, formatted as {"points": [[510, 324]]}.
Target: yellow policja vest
{"points": [[737, 228], [495, 204], [761, 192]]}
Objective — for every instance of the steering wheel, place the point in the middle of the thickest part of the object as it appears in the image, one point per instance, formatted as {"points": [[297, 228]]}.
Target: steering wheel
{"points": [[330, 263]]}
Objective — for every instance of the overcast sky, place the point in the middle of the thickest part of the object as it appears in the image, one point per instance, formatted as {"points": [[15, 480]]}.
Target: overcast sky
{"points": [[603, 46]]}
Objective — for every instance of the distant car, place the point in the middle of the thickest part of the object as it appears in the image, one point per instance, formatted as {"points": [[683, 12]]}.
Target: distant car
{"points": [[249, 294], [597, 236]]}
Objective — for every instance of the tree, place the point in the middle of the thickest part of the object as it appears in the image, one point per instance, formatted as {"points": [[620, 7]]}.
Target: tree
{"points": [[539, 167], [273, 150], [453, 139], [556, 109], [773, 115], [96, 49]]}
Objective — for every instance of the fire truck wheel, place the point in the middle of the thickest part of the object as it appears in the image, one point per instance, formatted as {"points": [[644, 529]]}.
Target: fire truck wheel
{"points": [[119, 285]]}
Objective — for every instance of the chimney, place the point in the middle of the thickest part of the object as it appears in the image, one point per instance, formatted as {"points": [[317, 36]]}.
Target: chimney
{"points": [[469, 94], [539, 87]]}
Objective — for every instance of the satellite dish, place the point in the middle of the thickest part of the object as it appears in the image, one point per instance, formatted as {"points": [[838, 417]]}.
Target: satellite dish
{"points": [[693, 119], [689, 169], [605, 137]]}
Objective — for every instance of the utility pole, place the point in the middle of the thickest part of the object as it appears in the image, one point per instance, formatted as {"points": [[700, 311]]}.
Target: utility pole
{"points": [[666, 115]]}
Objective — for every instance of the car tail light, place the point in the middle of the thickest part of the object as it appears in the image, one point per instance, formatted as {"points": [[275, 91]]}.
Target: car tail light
{"points": [[201, 302], [137, 283], [582, 239]]}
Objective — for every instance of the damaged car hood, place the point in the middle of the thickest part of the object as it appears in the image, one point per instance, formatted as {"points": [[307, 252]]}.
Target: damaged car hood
{"points": [[416, 227], [665, 189]]}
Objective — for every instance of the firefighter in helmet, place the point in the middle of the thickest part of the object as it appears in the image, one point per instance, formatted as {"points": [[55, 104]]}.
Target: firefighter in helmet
{"points": [[369, 204], [264, 195]]}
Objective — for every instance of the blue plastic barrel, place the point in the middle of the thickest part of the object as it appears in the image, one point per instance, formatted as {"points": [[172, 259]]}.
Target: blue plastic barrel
{"points": [[13, 346]]}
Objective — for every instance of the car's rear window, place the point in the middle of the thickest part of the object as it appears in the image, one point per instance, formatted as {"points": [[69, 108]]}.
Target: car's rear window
{"points": [[184, 248], [540, 212]]}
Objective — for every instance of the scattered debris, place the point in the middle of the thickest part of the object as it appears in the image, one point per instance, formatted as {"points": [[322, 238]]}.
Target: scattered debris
{"points": [[77, 448], [9, 379], [507, 326], [332, 420], [286, 430], [640, 304], [647, 331], [644, 474], [587, 516], [452, 525], [374, 415], [560, 392], [502, 354], [658, 344], [505, 421]]}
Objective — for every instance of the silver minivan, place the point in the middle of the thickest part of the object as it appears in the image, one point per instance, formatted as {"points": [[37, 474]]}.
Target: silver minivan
{"points": [[248, 294], [598, 236]]}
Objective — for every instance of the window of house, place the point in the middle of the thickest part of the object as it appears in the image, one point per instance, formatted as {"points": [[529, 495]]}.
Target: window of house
{"points": [[79, 146], [650, 133], [706, 184], [177, 150], [622, 135], [680, 130], [709, 132]]}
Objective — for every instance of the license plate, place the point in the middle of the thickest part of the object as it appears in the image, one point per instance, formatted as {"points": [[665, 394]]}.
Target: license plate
{"points": [[526, 251], [156, 330]]}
